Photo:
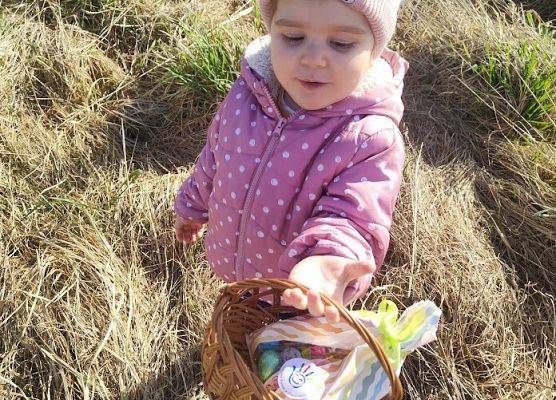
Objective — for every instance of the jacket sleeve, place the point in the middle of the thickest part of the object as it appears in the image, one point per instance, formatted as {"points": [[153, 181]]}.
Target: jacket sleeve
{"points": [[352, 218], [192, 199]]}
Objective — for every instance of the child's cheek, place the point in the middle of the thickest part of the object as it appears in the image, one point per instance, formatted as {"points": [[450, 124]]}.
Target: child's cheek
{"points": [[283, 58]]}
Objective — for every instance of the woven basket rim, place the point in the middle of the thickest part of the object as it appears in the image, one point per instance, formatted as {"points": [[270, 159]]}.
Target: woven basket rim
{"points": [[232, 355]]}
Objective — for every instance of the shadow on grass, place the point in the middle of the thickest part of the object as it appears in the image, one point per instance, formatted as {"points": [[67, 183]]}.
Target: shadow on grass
{"points": [[545, 8], [159, 135], [179, 380]]}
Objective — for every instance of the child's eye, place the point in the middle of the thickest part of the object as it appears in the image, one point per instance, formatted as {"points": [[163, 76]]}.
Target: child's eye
{"points": [[338, 45], [342, 45], [292, 39]]}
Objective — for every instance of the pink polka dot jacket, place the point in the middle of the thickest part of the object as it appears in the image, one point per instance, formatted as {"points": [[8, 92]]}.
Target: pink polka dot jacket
{"points": [[277, 189]]}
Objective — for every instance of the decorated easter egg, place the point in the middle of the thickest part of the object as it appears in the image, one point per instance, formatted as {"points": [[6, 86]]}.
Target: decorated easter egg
{"points": [[306, 352], [302, 379], [269, 363], [272, 382], [318, 351], [268, 346], [288, 353]]}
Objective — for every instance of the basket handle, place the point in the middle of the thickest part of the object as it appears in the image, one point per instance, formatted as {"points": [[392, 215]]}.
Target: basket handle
{"points": [[396, 391]]}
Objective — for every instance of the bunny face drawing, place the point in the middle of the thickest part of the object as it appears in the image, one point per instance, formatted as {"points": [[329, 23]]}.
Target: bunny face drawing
{"points": [[298, 377], [301, 379]]}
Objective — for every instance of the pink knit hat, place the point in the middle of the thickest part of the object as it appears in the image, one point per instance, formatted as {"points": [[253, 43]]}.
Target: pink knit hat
{"points": [[381, 14]]}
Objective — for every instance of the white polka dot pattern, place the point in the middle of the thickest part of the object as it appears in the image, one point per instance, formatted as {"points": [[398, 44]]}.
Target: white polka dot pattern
{"points": [[316, 187]]}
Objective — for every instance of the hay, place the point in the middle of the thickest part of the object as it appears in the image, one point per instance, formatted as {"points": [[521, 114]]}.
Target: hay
{"points": [[98, 301]]}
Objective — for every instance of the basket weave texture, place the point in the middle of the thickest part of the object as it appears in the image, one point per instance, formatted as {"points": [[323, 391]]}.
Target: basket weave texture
{"points": [[225, 358]]}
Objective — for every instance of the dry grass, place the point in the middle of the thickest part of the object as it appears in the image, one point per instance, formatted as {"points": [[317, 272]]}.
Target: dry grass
{"points": [[99, 123]]}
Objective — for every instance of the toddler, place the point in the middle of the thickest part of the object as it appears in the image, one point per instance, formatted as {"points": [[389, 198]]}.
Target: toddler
{"points": [[303, 161]]}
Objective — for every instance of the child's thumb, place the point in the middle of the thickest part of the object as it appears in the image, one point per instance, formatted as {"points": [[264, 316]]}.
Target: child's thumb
{"points": [[356, 269]]}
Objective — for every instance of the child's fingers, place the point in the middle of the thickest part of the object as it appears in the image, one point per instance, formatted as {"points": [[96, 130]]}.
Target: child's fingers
{"points": [[186, 235], [197, 236], [191, 235], [187, 231], [287, 297], [179, 235], [314, 303], [332, 314], [295, 298], [299, 299], [199, 233]]}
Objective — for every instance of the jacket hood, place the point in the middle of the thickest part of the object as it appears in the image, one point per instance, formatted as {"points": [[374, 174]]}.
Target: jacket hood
{"points": [[379, 93]]}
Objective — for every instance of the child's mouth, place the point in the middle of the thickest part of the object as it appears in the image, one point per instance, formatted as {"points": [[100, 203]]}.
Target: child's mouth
{"points": [[311, 85]]}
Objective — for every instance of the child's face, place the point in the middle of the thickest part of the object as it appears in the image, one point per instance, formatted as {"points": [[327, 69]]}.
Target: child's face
{"points": [[310, 42]]}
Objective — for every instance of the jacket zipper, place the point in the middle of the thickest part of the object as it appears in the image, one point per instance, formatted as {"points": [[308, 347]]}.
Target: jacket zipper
{"points": [[246, 212]]}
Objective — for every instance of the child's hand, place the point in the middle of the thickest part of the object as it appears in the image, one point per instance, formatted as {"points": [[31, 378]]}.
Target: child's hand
{"points": [[187, 231], [327, 274]]}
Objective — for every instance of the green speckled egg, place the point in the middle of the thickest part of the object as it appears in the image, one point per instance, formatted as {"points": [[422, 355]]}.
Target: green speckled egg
{"points": [[269, 363], [268, 346], [306, 352]]}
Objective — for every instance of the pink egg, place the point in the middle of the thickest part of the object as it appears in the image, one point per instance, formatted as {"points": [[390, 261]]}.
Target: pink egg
{"points": [[318, 351]]}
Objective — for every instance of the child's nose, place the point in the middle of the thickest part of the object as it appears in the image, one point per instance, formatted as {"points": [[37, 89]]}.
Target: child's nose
{"points": [[313, 56]]}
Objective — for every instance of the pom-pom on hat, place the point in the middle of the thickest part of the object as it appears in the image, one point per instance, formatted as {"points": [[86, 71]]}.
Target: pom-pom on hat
{"points": [[381, 14]]}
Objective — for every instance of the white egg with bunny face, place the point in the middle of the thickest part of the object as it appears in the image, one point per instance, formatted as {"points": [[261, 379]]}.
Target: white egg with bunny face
{"points": [[302, 379]]}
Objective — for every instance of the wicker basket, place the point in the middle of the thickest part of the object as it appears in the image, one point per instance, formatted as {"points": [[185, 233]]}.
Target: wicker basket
{"points": [[227, 374]]}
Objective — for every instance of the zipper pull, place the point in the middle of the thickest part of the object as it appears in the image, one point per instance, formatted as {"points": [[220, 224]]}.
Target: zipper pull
{"points": [[280, 125]]}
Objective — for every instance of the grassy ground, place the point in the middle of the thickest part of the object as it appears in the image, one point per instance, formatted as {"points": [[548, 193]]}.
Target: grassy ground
{"points": [[103, 107]]}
